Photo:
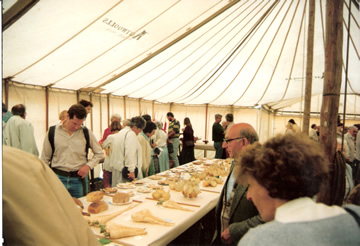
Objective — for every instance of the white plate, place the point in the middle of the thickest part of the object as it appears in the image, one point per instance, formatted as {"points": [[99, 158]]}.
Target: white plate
{"points": [[125, 186], [121, 204], [144, 190]]}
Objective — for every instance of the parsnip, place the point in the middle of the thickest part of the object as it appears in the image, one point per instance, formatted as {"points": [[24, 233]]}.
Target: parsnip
{"points": [[174, 205], [96, 221], [146, 216], [115, 231]]}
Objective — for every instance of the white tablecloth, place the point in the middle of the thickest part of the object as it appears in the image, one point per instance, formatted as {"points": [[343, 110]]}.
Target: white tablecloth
{"points": [[158, 234]]}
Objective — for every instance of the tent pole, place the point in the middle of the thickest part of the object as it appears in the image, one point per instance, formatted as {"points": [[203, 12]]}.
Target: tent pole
{"points": [[206, 116], [139, 107], [346, 73], [6, 88], [309, 67], [91, 115], [153, 109], [108, 108], [125, 107], [46, 108], [332, 76]]}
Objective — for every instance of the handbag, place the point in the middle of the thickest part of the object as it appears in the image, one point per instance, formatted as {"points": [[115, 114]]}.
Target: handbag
{"points": [[125, 170], [189, 143]]}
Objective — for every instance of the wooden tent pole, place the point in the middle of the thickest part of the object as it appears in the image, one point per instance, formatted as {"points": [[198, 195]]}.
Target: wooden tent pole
{"points": [[91, 115], [309, 67], [125, 107], [139, 106], [6, 89], [332, 76], [206, 116], [108, 108], [153, 110], [46, 108], [346, 73]]}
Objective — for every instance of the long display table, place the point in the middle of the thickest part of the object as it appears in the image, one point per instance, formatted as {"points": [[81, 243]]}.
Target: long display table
{"points": [[159, 234]]}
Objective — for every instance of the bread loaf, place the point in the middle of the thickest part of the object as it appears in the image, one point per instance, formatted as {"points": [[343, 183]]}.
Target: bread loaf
{"points": [[94, 196], [121, 198], [97, 207]]}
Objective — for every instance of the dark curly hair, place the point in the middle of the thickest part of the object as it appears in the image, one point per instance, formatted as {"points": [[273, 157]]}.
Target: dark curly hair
{"points": [[77, 110], [287, 166], [149, 127]]}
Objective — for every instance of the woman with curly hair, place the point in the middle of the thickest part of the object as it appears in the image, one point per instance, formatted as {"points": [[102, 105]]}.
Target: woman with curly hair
{"points": [[284, 175]]}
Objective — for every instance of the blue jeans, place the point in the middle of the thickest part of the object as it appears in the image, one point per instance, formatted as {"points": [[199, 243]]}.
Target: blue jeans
{"points": [[75, 185], [173, 156], [218, 150]]}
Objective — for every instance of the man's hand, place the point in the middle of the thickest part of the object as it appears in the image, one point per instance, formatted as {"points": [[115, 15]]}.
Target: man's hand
{"points": [[131, 175], [225, 236], [83, 171]]}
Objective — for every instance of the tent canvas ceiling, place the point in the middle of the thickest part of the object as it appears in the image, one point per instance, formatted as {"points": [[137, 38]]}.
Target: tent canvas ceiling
{"points": [[241, 53]]}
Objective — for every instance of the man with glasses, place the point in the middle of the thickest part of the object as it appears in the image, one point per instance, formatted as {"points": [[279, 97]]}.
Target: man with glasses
{"points": [[234, 214]]}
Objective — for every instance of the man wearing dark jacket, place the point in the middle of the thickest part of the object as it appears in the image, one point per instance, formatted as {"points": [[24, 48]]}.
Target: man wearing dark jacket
{"points": [[234, 214]]}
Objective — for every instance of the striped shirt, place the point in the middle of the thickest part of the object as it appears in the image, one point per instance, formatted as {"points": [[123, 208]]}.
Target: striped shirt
{"points": [[174, 126]]}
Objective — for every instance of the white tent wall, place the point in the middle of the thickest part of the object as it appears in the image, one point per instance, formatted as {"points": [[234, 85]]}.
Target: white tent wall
{"points": [[34, 100], [266, 123]]}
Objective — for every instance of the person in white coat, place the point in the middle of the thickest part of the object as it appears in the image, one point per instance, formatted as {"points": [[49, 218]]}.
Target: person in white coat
{"points": [[18, 132], [127, 152]]}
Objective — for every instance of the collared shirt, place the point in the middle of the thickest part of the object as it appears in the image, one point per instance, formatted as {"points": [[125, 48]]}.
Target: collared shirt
{"points": [[69, 154], [305, 209], [19, 133], [144, 142], [350, 142], [357, 153], [230, 185], [126, 151], [161, 141], [174, 126]]}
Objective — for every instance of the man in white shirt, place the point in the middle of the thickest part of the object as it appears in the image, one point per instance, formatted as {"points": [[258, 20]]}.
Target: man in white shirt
{"points": [[18, 132], [349, 138]]}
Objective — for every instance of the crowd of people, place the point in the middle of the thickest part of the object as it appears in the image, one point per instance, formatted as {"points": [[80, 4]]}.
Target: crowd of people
{"points": [[275, 194]]}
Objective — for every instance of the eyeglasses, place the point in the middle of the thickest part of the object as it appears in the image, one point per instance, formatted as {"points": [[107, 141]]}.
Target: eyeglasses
{"points": [[232, 139]]}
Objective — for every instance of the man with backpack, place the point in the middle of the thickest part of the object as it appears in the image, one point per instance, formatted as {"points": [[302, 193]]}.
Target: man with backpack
{"points": [[65, 149]]}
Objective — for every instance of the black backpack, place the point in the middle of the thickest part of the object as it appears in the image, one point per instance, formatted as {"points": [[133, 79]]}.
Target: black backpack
{"points": [[51, 137]]}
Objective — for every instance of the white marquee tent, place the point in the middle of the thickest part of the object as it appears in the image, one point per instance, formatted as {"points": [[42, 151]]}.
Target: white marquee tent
{"points": [[195, 58]]}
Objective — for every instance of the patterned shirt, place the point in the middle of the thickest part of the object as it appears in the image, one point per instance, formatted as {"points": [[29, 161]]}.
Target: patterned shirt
{"points": [[174, 126]]}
